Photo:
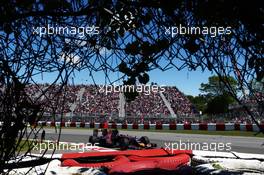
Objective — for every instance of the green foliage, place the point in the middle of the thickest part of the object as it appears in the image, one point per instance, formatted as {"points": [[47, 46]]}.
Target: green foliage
{"points": [[199, 102], [216, 87], [219, 104], [217, 95]]}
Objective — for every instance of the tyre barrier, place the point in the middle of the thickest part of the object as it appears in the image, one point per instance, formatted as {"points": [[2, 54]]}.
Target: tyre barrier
{"points": [[131, 161], [158, 126]]}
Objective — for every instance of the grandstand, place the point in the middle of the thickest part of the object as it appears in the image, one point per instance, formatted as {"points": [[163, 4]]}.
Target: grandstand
{"points": [[85, 103]]}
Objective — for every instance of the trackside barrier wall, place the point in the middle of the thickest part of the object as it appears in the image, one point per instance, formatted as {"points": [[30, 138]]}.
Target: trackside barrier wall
{"points": [[180, 127], [158, 126]]}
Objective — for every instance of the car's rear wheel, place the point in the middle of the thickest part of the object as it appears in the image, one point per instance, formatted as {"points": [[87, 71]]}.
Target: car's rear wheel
{"points": [[145, 140], [93, 139], [124, 143]]}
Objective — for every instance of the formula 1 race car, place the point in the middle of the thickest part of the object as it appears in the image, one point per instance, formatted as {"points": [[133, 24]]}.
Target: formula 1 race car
{"points": [[112, 139]]}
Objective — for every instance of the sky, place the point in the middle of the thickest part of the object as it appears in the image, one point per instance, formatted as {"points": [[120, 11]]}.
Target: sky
{"points": [[186, 81]]}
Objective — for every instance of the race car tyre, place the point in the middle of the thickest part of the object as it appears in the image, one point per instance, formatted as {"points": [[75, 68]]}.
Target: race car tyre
{"points": [[93, 139], [124, 143], [115, 132], [145, 140]]}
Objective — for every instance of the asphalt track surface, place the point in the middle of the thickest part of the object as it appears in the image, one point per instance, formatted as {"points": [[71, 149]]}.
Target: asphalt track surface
{"points": [[174, 140]]}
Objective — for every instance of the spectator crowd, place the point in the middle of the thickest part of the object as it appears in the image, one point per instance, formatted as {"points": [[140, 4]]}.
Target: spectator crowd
{"points": [[87, 100]]}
